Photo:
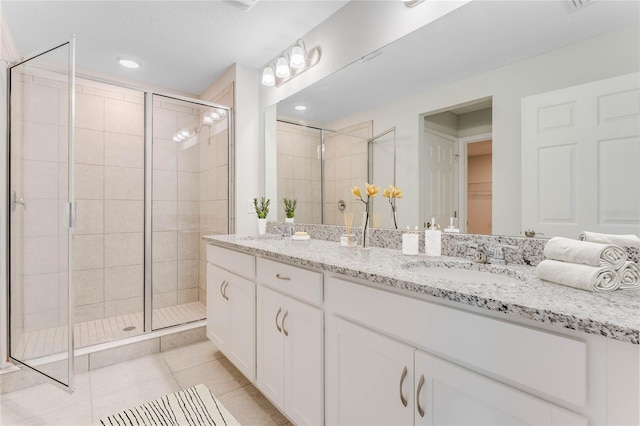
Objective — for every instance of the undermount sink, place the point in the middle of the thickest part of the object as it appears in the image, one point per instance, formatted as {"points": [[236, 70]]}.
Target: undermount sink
{"points": [[465, 272]]}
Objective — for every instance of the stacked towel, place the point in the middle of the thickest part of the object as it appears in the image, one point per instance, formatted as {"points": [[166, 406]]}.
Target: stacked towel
{"points": [[584, 277], [585, 253], [621, 240], [584, 265], [629, 275]]}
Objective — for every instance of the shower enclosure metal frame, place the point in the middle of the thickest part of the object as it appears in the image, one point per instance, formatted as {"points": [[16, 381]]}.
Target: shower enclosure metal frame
{"points": [[148, 176]]}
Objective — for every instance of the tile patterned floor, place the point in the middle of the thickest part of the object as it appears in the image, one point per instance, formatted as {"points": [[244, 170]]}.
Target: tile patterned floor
{"points": [[111, 389], [41, 343]]}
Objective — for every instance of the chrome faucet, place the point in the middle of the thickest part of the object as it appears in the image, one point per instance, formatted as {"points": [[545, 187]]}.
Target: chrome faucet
{"points": [[286, 229]]}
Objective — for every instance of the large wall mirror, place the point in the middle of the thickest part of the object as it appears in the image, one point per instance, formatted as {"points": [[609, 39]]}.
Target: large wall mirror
{"points": [[488, 106]]}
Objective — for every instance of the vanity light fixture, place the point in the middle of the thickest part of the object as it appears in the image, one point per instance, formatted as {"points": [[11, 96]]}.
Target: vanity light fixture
{"points": [[128, 63], [412, 3], [208, 118], [293, 61]]}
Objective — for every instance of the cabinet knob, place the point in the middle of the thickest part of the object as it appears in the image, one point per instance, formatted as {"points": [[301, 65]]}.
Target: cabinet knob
{"points": [[278, 325], [420, 385], [402, 377]]}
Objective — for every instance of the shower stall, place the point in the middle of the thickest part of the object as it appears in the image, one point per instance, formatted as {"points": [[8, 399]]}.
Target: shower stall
{"points": [[110, 190]]}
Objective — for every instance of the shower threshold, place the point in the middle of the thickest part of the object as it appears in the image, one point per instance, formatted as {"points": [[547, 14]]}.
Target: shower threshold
{"points": [[42, 343]]}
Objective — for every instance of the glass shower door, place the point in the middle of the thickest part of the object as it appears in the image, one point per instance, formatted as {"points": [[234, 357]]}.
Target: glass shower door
{"points": [[41, 208]]}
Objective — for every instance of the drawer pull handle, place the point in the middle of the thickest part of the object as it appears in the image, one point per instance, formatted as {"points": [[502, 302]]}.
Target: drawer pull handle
{"points": [[224, 290], [404, 376], [277, 325], [286, 313], [420, 385], [282, 277]]}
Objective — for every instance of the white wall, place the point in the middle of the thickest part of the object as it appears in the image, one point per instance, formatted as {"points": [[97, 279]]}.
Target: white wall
{"points": [[611, 54]]}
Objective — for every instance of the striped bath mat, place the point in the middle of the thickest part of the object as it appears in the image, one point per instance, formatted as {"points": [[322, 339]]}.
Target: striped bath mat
{"points": [[191, 406]]}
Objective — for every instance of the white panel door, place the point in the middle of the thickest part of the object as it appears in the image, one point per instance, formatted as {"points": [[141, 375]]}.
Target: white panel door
{"points": [[442, 161], [217, 307], [270, 347], [450, 395], [303, 328], [370, 378], [580, 156], [241, 295]]}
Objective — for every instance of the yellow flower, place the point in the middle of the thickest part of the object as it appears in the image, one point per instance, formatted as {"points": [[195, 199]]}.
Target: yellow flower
{"points": [[372, 190], [392, 192], [356, 191]]}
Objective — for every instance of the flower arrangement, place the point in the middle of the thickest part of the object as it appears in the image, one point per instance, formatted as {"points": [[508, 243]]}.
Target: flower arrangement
{"points": [[262, 209], [289, 206], [393, 193], [372, 191]]}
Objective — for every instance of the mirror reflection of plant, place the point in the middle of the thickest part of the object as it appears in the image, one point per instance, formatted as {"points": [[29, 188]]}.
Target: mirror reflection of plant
{"points": [[262, 210], [289, 206], [372, 191], [393, 193]]}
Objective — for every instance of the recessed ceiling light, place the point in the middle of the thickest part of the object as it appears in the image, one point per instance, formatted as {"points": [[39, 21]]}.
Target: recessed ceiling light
{"points": [[300, 108], [128, 63]]}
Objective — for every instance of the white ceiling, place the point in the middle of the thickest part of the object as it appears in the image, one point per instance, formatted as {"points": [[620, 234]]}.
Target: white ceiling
{"points": [[182, 45], [477, 37]]}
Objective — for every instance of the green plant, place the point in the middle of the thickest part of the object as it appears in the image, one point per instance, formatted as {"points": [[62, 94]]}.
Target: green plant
{"points": [[262, 210], [289, 206]]}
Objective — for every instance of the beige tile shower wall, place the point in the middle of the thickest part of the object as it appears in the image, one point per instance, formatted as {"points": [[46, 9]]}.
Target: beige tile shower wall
{"points": [[345, 167], [214, 187], [299, 169], [175, 207]]}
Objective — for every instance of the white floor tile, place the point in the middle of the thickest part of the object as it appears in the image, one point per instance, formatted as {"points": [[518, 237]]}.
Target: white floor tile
{"points": [[69, 416], [127, 374], [191, 355], [132, 396]]}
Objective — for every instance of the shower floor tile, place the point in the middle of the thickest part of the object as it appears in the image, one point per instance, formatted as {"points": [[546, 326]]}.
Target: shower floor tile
{"points": [[40, 343]]}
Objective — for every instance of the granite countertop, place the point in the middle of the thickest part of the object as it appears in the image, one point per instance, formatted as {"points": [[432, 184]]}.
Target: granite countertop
{"points": [[615, 315]]}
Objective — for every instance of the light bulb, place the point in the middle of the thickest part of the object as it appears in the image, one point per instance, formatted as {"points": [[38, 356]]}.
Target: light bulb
{"points": [[282, 68], [185, 133], [268, 78], [297, 60], [220, 111], [215, 116], [207, 120]]}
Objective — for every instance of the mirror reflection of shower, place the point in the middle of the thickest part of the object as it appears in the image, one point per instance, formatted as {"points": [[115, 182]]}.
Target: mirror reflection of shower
{"points": [[209, 118]]}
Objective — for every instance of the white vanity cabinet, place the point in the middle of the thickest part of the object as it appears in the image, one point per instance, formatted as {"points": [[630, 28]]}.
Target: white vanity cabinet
{"points": [[290, 350], [380, 368], [231, 307]]}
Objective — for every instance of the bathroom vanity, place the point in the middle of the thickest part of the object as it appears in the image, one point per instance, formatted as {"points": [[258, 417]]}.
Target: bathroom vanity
{"points": [[336, 335]]}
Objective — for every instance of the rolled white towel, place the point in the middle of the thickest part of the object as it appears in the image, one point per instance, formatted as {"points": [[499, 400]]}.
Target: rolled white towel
{"points": [[585, 253], [583, 277], [629, 275], [620, 240]]}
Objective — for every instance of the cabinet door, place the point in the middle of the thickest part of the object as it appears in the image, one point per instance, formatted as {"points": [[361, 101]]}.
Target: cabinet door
{"points": [[241, 295], [303, 328], [270, 350], [369, 377], [217, 307], [447, 394]]}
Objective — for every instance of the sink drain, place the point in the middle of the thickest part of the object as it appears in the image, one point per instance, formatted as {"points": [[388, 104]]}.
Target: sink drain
{"points": [[131, 327]]}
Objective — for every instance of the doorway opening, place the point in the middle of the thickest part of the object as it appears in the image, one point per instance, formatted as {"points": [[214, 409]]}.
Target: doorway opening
{"points": [[456, 174]]}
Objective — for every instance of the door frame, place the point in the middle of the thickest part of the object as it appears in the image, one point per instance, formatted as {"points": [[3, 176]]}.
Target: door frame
{"points": [[462, 174], [70, 213]]}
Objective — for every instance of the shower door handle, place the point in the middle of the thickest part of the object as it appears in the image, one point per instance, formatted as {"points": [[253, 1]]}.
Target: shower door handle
{"points": [[15, 202]]}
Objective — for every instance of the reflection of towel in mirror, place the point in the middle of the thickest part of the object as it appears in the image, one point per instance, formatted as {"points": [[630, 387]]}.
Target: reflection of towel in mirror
{"points": [[585, 253], [629, 275], [621, 240], [584, 277]]}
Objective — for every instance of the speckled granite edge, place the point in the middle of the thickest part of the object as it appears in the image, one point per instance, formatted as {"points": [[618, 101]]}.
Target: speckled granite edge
{"points": [[612, 315]]}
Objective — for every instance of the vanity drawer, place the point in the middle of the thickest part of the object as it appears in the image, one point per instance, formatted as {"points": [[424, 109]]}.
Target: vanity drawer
{"points": [[239, 263], [518, 355], [297, 282]]}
